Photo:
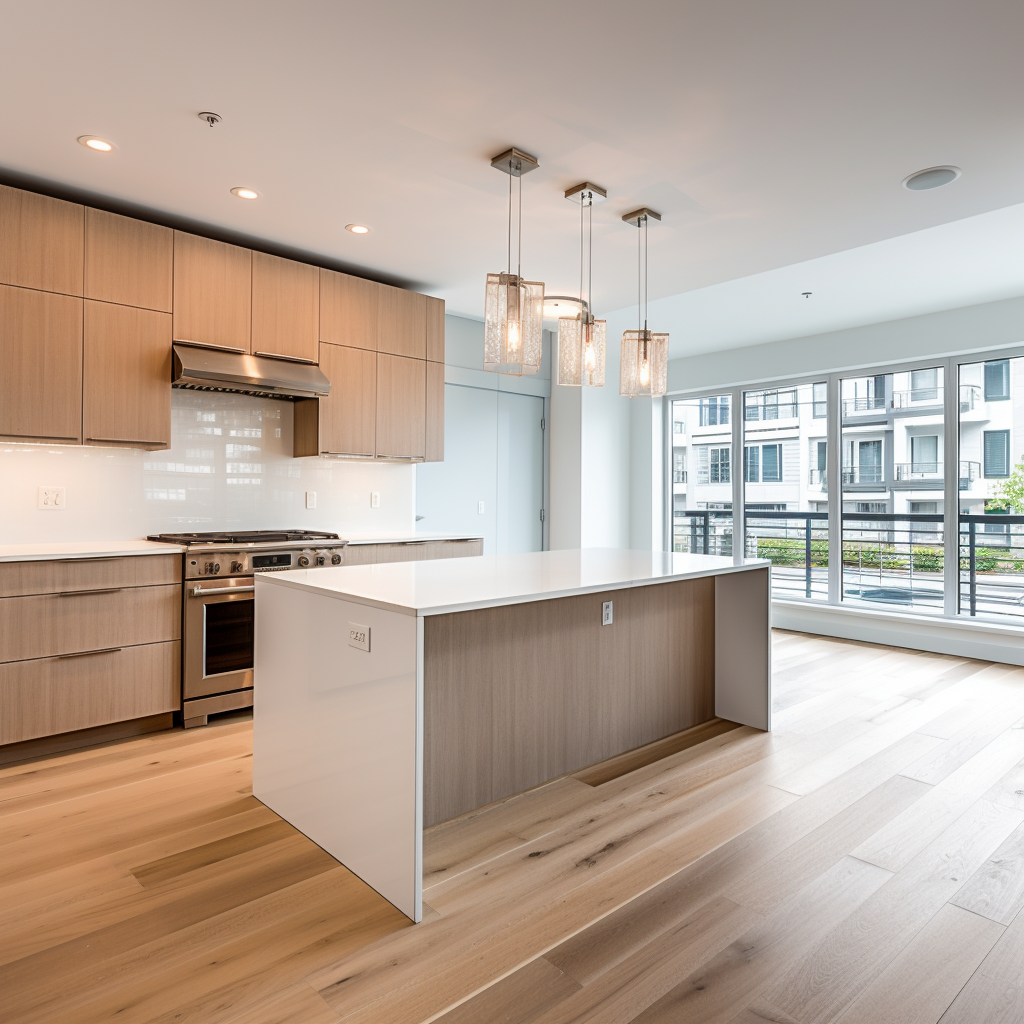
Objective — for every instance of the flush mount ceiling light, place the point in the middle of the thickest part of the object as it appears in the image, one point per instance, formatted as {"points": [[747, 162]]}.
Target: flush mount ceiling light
{"points": [[357, 229], [245, 193], [581, 338], [513, 308], [93, 142], [556, 306], [931, 177], [643, 369]]}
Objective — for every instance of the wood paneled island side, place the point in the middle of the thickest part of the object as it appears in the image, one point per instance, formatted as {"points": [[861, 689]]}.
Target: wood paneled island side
{"points": [[392, 697]]}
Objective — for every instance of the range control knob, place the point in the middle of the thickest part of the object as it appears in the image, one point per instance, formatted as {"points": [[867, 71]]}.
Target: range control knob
{"points": [[335, 559], [208, 568], [216, 568], [237, 566], [321, 560], [303, 561]]}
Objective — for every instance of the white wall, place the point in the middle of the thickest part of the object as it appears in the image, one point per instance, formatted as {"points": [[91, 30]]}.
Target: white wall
{"points": [[229, 466]]}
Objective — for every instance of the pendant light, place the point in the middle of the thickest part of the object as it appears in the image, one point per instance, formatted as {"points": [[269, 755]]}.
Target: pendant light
{"points": [[513, 308], [581, 338], [643, 369]]}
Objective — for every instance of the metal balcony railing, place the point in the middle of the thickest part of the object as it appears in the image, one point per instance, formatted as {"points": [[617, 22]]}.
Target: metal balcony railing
{"points": [[969, 472], [818, 477], [917, 397], [992, 566], [679, 476], [863, 475], [970, 396], [917, 470], [872, 403]]}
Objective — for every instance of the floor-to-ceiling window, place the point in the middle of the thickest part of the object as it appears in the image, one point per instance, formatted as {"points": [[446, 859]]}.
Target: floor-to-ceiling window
{"points": [[702, 475], [991, 489], [785, 486], [892, 489]]}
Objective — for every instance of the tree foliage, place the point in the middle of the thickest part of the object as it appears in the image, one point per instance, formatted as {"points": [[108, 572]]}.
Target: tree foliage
{"points": [[1010, 496]]}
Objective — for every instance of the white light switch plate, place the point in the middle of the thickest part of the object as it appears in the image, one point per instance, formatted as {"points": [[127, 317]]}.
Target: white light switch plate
{"points": [[310, 499], [480, 508], [52, 497], [359, 637], [606, 613], [374, 499]]}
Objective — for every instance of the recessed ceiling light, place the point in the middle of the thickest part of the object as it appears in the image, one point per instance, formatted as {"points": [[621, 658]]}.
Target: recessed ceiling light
{"points": [[245, 193], [931, 177], [92, 142], [357, 229]]}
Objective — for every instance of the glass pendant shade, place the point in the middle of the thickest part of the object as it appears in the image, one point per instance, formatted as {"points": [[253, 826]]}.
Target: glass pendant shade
{"points": [[513, 324], [581, 352], [643, 369]]}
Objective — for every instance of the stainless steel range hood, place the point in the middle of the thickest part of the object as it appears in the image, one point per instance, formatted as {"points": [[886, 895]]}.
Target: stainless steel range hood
{"points": [[211, 369]]}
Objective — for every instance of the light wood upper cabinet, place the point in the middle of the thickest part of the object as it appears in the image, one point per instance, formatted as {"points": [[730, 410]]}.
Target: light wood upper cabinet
{"points": [[345, 422], [401, 407], [402, 323], [128, 261], [127, 375], [435, 412], [41, 242], [348, 310], [41, 357], [435, 329], [285, 308], [212, 293]]}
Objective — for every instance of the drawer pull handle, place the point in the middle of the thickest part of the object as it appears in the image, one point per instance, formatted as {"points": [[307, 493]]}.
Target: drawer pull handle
{"points": [[80, 593], [200, 592], [89, 654]]}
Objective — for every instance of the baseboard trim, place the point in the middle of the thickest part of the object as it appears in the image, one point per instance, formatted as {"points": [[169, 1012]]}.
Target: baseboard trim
{"points": [[47, 746]]}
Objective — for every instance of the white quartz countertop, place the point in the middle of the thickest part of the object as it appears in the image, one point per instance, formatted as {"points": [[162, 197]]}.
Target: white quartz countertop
{"points": [[406, 538], [84, 549], [461, 584]]}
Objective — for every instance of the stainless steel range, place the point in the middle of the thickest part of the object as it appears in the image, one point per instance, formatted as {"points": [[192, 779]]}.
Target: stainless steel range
{"points": [[217, 611]]}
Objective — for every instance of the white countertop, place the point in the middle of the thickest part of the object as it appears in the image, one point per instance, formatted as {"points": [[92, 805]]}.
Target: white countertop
{"points": [[461, 584], [84, 549], [405, 538]]}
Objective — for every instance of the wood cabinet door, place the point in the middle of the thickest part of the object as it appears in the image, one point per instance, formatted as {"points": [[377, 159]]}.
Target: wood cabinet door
{"points": [[435, 329], [212, 293], [128, 261], [435, 412], [348, 416], [348, 310], [41, 242], [401, 407], [285, 308], [127, 376], [402, 323], [41, 356]]}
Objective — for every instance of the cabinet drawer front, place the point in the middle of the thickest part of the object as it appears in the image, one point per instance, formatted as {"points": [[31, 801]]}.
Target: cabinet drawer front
{"points": [[54, 695], [53, 624], [19, 579]]}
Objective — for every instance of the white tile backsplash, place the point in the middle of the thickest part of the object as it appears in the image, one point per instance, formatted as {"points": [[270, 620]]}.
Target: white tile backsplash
{"points": [[229, 466]]}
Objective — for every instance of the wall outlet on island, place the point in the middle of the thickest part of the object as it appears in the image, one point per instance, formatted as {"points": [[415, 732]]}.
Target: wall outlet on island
{"points": [[310, 499], [479, 508], [606, 613], [374, 499], [52, 498]]}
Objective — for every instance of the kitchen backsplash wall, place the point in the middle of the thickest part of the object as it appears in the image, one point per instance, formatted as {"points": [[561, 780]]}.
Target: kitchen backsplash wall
{"points": [[229, 466]]}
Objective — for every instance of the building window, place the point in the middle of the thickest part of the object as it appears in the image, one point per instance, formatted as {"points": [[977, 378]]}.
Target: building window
{"points": [[924, 454], [752, 470], [714, 412], [763, 463], [871, 508], [924, 385], [718, 465], [997, 380], [820, 401], [679, 466], [679, 427], [996, 453]]}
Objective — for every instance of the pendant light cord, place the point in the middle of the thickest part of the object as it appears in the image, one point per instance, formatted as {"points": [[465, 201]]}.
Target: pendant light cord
{"points": [[509, 264], [581, 260], [519, 240]]}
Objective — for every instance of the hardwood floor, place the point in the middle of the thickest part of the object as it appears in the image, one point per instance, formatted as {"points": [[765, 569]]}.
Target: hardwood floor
{"points": [[862, 864]]}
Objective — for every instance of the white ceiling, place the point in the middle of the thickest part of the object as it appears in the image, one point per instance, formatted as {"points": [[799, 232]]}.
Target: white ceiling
{"points": [[767, 134]]}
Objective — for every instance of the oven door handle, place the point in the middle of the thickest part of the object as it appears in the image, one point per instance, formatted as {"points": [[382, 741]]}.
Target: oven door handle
{"points": [[198, 591]]}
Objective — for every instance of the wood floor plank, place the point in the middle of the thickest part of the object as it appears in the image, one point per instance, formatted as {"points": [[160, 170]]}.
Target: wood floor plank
{"points": [[996, 889], [824, 982], [923, 979]]}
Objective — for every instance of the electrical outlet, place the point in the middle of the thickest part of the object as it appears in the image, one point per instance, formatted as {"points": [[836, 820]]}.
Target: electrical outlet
{"points": [[52, 498], [310, 499], [606, 613], [374, 499], [479, 508]]}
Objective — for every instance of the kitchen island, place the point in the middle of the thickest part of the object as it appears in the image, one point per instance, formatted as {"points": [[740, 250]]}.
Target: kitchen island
{"points": [[395, 696]]}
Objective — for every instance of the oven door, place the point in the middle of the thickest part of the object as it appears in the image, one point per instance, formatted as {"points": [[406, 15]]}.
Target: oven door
{"points": [[218, 636]]}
